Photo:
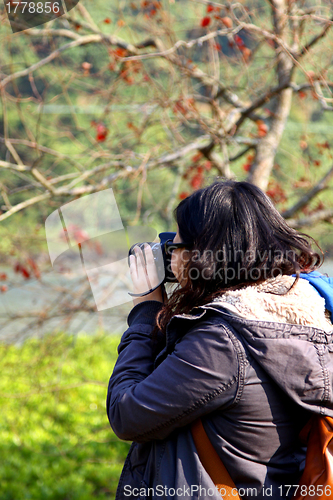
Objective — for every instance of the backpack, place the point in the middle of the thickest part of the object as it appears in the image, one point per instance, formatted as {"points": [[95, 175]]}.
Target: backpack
{"points": [[317, 477]]}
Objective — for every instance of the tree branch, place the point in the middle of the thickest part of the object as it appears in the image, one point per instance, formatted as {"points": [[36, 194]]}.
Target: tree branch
{"points": [[320, 186], [315, 39], [320, 216]]}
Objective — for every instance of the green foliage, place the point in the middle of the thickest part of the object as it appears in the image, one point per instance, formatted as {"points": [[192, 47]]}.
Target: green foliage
{"points": [[56, 442]]}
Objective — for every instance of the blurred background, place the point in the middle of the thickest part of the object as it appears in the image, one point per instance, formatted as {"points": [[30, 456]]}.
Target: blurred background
{"points": [[154, 99]]}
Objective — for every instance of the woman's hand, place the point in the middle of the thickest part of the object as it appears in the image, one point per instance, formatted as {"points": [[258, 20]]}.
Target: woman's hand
{"points": [[144, 275]]}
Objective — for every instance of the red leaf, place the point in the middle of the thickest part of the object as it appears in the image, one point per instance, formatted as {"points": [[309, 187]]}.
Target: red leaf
{"points": [[180, 108], [17, 267], [205, 21], [262, 128], [196, 157], [120, 52], [3, 288], [276, 193], [210, 8], [227, 22], [239, 42], [34, 267], [196, 181], [301, 94], [107, 20], [183, 195], [25, 273], [246, 53], [247, 166], [3, 276], [102, 132]]}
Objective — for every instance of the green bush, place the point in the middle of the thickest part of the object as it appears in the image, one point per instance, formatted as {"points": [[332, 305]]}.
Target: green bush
{"points": [[56, 442]]}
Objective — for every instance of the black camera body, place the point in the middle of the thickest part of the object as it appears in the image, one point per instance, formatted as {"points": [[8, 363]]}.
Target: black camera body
{"points": [[162, 260]]}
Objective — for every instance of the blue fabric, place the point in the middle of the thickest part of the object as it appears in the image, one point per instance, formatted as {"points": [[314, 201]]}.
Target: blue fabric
{"points": [[324, 287]]}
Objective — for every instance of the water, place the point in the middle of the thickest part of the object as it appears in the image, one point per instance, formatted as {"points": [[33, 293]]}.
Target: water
{"points": [[55, 302], [32, 308]]}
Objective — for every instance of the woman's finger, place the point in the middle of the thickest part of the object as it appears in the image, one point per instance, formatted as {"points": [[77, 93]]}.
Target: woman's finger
{"points": [[133, 269]]}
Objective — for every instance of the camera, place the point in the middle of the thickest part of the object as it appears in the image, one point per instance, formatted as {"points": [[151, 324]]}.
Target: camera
{"points": [[161, 258]]}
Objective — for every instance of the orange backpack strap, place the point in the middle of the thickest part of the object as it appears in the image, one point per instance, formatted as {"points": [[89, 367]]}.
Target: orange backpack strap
{"points": [[212, 462], [317, 478]]}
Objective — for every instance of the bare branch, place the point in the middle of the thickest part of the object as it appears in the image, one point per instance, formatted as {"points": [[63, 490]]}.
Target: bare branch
{"points": [[83, 40], [320, 216], [13, 166], [320, 186], [315, 39]]}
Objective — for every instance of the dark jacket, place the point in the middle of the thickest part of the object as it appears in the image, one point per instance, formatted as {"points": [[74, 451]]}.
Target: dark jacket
{"points": [[253, 383]]}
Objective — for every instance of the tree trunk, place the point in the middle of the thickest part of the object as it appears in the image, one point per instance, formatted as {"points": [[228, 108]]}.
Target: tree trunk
{"points": [[268, 145]]}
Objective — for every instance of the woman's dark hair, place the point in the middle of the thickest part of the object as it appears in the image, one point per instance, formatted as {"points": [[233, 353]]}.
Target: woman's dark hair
{"points": [[236, 237]]}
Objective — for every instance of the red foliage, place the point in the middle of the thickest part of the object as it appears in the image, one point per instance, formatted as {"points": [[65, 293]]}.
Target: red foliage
{"points": [[262, 128], [101, 132], [324, 145], [3, 288], [276, 193], [3, 276], [120, 52], [107, 20], [183, 195], [249, 160], [196, 181], [34, 267], [205, 21], [227, 22], [246, 53], [86, 66], [179, 107], [196, 157], [210, 8], [20, 269], [79, 235], [238, 41]]}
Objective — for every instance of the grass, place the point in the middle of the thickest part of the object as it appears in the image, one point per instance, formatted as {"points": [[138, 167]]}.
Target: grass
{"points": [[56, 442]]}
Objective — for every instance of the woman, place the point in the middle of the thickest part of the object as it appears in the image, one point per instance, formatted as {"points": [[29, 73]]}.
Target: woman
{"points": [[239, 344]]}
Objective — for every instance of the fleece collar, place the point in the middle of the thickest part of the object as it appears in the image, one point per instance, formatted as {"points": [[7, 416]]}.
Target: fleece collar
{"points": [[278, 300]]}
